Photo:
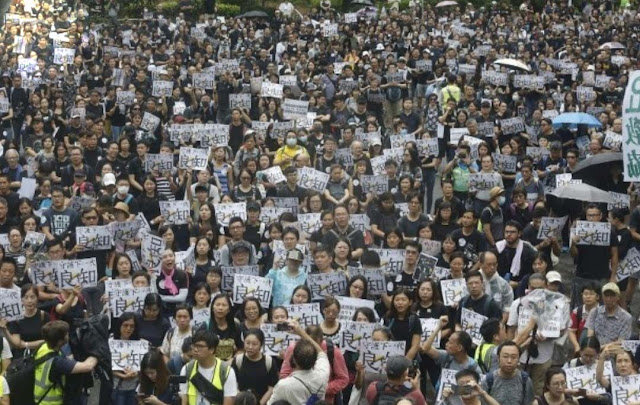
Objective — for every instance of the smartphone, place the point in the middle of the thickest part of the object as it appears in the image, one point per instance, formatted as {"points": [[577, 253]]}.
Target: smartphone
{"points": [[582, 392], [283, 327], [142, 396], [462, 389], [413, 371]]}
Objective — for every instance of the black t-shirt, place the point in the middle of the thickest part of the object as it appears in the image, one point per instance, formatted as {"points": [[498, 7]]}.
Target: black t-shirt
{"points": [[253, 375], [29, 329], [404, 280], [153, 331], [493, 310], [471, 245], [592, 262], [404, 329]]}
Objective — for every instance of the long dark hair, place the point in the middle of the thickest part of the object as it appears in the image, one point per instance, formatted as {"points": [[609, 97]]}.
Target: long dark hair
{"points": [[154, 360], [392, 312], [231, 323], [115, 272], [436, 298]]}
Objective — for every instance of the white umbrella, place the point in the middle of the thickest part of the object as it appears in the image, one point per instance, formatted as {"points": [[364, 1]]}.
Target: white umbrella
{"points": [[447, 3], [513, 63], [612, 45], [582, 192]]}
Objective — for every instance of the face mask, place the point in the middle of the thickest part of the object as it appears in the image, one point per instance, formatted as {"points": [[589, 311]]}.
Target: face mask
{"points": [[487, 92], [303, 139], [292, 142], [123, 189], [501, 200], [516, 97]]}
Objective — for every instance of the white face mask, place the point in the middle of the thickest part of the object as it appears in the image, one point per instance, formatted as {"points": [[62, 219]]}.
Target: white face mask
{"points": [[501, 200], [123, 189], [291, 142]]}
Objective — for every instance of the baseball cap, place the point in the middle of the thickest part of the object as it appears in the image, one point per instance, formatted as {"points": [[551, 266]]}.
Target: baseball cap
{"points": [[109, 179], [295, 254], [253, 206], [241, 245], [554, 277], [612, 287], [80, 173], [397, 365], [376, 141]]}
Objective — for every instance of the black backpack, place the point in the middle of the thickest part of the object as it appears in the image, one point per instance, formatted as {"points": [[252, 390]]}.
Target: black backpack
{"points": [[21, 378], [387, 394]]}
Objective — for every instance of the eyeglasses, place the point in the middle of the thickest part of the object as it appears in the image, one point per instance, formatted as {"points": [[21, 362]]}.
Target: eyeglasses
{"points": [[197, 347], [559, 384]]}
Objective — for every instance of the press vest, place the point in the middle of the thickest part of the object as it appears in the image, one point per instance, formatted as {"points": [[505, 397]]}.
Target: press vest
{"points": [[55, 395], [220, 374]]}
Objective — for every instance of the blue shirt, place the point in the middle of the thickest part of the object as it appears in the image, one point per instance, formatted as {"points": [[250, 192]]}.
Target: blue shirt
{"points": [[284, 284]]}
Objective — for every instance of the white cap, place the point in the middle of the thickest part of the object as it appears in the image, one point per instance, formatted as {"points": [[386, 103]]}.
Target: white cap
{"points": [[109, 179]]}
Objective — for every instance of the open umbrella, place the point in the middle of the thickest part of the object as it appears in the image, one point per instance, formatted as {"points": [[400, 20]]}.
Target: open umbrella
{"points": [[582, 192], [576, 118], [447, 3], [513, 64], [612, 45], [600, 158], [254, 14]]}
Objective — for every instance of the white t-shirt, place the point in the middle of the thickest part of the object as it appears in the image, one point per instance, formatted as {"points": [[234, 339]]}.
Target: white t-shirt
{"points": [[230, 386], [6, 349]]}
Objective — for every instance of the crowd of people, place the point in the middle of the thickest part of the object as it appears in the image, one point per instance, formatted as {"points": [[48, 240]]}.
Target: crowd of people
{"points": [[410, 159]]}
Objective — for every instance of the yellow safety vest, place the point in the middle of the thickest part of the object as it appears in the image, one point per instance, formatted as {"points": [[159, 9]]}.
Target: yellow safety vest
{"points": [[1, 386], [55, 395], [481, 354], [220, 374]]}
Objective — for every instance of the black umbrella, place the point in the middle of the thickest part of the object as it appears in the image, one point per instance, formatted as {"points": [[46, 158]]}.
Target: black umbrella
{"points": [[254, 14], [594, 170]]}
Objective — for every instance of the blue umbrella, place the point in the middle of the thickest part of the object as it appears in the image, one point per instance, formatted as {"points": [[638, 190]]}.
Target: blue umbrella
{"points": [[575, 119]]}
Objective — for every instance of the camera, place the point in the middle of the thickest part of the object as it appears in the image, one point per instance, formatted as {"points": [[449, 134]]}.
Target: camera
{"points": [[462, 155], [413, 371], [284, 327], [177, 379]]}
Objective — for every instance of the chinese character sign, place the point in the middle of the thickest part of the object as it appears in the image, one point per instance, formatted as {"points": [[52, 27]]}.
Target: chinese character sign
{"points": [[471, 322], [429, 326], [305, 314], [127, 299], [354, 333], [551, 227], [593, 233], [43, 273], [276, 341], [376, 284], [374, 355], [127, 354], [152, 248], [10, 305], [175, 212], [94, 237], [82, 272], [326, 285], [245, 286], [348, 307], [585, 377], [229, 272], [630, 265], [625, 390], [453, 291], [631, 128]]}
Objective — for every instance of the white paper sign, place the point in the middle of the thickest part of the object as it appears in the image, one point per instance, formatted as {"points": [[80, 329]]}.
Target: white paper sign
{"points": [[94, 237], [551, 227], [429, 326], [326, 285], [354, 333], [312, 179], [162, 88], [625, 389], [630, 265], [348, 306], [127, 299], [10, 305], [151, 251], [175, 212], [376, 284], [193, 158], [252, 286], [305, 314], [593, 233], [471, 322], [228, 273], [224, 212], [453, 291], [273, 90], [374, 355], [159, 162], [276, 341], [127, 354], [295, 109], [63, 56], [73, 272]]}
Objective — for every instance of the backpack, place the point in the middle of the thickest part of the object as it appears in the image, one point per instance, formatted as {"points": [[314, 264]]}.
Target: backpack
{"points": [[314, 398], [490, 378], [21, 379], [387, 394], [485, 306], [485, 367], [268, 361]]}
